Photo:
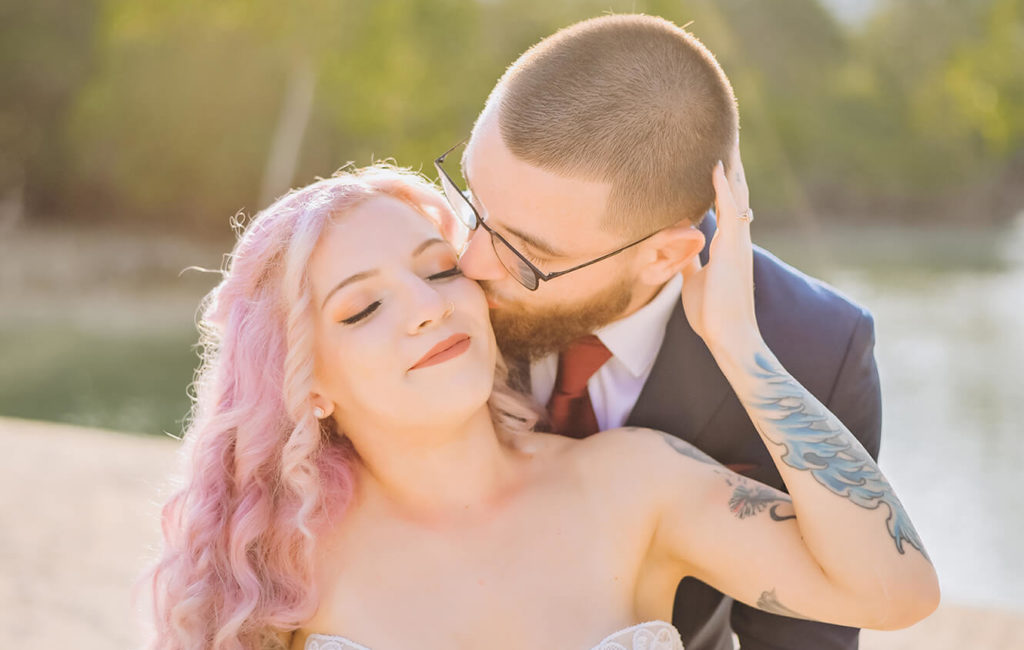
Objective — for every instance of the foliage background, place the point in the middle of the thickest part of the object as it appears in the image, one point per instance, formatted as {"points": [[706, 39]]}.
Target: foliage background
{"points": [[157, 115]]}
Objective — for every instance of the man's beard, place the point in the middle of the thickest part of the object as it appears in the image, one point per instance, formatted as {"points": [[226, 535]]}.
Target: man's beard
{"points": [[527, 334]]}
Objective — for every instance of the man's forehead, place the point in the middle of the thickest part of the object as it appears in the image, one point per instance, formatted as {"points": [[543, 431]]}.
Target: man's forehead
{"points": [[532, 203]]}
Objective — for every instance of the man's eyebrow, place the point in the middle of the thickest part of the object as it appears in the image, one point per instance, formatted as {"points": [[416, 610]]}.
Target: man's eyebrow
{"points": [[362, 275], [535, 243], [532, 242]]}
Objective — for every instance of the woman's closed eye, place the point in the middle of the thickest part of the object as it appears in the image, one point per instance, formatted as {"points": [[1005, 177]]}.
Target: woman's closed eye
{"points": [[372, 307], [455, 271], [447, 273]]}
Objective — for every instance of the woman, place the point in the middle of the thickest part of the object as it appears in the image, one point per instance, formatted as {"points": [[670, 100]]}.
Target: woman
{"points": [[357, 465]]}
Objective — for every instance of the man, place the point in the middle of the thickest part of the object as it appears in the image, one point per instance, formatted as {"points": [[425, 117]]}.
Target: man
{"points": [[592, 160]]}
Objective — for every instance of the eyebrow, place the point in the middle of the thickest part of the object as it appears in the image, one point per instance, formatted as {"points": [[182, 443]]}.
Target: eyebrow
{"points": [[527, 239], [362, 275], [427, 244], [535, 243]]}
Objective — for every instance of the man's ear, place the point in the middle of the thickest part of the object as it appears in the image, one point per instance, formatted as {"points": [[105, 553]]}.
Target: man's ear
{"points": [[669, 252]]}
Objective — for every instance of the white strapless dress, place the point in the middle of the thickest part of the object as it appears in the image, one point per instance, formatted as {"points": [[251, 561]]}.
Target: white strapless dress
{"points": [[653, 635]]}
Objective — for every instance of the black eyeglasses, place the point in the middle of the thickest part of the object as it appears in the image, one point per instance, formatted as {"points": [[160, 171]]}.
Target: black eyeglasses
{"points": [[518, 266]]}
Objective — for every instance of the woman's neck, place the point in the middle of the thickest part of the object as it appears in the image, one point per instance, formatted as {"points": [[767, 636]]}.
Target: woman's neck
{"points": [[435, 475]]}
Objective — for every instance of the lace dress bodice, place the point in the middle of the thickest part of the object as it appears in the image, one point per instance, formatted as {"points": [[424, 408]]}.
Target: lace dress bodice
{"points": [[653, 635]]}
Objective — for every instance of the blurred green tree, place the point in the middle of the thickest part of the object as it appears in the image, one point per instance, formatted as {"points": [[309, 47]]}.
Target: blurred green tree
{"points": [[45, 58], [176, 115]]}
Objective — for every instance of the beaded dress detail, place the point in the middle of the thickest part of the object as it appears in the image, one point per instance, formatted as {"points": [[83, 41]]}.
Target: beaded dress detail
{"points": [[653, 635]]}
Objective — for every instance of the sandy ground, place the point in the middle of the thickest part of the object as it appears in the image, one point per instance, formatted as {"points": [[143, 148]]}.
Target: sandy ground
{"points": [[79, 521]]}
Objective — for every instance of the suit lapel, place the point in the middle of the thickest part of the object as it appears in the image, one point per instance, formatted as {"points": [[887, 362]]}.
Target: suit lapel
{"points": [[685, 387]]}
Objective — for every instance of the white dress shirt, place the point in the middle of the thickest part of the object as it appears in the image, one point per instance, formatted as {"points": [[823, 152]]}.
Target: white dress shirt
{"points": [[634, 342]]}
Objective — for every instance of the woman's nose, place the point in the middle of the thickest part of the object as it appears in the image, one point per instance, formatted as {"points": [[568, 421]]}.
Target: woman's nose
{"points": [[429, 307], [478, 260]]}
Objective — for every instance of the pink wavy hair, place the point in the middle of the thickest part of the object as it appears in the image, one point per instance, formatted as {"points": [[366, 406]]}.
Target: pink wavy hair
{"points": [[261, 476]]}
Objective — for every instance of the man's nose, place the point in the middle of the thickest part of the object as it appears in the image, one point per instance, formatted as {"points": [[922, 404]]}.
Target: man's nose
{"points": [[478, 260]]}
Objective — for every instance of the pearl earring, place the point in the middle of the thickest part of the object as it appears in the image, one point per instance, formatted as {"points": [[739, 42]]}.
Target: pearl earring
{"points": [[319, 413]]}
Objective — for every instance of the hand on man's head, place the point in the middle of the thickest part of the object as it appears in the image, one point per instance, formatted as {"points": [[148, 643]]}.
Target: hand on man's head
{"points": [[737, 178]]}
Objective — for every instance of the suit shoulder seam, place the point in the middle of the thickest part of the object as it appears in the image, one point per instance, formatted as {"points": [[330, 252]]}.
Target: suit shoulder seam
{"points": [[862, 315]]}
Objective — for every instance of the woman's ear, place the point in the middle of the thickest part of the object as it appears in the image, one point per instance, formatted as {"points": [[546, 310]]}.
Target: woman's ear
{"points": [[669, 252], [322, 407]]}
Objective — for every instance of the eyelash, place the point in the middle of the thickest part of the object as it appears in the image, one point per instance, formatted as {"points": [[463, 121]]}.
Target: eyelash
{"points": [[447, 273], [373, 306], [352, 320], [533, 258]]}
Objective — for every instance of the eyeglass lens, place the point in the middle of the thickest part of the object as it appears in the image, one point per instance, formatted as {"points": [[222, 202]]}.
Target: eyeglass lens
{"points": [[463, 210], [467, 216], [514, 264]]}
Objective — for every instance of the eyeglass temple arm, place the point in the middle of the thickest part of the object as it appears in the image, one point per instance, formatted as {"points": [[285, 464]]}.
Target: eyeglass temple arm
{"points": [[550, 276]]}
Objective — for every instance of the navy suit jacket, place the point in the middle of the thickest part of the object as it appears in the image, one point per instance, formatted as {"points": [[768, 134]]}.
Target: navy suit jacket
{"points": [[826, 342]]}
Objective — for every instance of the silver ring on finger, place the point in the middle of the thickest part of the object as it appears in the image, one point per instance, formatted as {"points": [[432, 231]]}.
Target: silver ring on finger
{"points": [[747, 215]]}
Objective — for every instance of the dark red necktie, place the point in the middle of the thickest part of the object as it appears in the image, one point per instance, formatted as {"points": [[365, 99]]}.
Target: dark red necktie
{"points": [[572, 413]]}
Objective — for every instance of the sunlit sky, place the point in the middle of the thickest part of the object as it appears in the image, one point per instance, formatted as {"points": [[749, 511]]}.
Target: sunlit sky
{"points": [[851, 12]]}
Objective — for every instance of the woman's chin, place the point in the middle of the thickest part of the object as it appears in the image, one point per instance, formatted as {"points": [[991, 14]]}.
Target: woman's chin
{"points": [[456, 387], [455, 397]]}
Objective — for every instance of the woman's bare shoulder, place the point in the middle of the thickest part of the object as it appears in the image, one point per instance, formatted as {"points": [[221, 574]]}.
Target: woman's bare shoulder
{"points": [[613, 445], [650, 457], [640, 444], [646, 454], [541, 444]]}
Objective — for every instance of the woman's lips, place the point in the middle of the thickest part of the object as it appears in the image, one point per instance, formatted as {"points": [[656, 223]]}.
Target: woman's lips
{"points": [[447, 349]]}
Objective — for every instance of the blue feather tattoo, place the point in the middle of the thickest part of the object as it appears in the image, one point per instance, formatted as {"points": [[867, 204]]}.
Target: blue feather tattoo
{"points": [[814, 442]]}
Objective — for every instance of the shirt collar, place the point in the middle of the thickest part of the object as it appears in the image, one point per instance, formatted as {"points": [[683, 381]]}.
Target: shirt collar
{"points": [[636, 339]]}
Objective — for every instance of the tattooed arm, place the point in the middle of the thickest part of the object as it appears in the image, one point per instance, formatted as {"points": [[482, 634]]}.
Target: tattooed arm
{"points": [[839, 548], [843, 550], [817, 553]]}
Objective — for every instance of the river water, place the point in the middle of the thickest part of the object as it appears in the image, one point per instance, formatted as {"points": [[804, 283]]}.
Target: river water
{"points": [[949, 317]]}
